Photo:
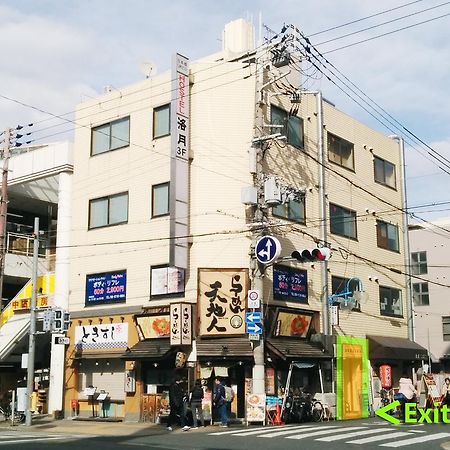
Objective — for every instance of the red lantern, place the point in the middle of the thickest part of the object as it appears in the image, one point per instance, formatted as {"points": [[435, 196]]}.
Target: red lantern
{"points": [[386, 376]]}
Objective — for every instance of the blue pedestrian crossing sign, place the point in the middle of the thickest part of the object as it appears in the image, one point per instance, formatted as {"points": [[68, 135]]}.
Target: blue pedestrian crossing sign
{"points": [[267, 249], [254, 328], [253, 317]]}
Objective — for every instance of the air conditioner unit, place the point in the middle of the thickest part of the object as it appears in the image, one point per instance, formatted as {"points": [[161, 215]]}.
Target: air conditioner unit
{"points": [[272, 192], [249, 195]]}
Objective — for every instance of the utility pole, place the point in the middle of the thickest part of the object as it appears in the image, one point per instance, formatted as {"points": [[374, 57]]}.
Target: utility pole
{"points": [[32, 340], [4, 207]]}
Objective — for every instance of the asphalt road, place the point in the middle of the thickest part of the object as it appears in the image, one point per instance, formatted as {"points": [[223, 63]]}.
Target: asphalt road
{"points": [[364, 434]]}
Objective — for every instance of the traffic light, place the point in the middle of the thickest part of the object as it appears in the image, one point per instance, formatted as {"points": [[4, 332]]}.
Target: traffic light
{"points": [[58, 319], [66, 321], [312, 254]]}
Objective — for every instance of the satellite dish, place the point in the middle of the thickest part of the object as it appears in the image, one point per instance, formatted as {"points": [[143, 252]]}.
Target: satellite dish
{"points": [[148, 69], [361, 297]]}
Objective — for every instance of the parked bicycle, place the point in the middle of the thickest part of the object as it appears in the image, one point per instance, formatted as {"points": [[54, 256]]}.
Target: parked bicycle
{"points": [[303, 408], [6, 413]]}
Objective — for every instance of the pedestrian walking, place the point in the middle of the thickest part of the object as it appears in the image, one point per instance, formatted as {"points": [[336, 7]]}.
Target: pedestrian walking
{"points": [[177, 409], [219, 402], [445, 392], [406, 393], [196, 404]]}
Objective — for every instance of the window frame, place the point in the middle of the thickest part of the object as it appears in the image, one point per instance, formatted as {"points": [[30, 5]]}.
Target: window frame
{"points": [[383, 182], [353, 213], [421, 293], [285, 130], [110, 135], [302, 204], [166, 294], [154, 187], [419, 265], [382, 313], [108, 198], [343, 282], [155, 110], [379, 237], [445, 321], [341, 141]]}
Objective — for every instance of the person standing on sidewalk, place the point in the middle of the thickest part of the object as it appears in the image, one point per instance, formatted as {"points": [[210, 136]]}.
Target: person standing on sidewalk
{"points": [[219, 402], [406, 392], [196, 403], [176, 395]]}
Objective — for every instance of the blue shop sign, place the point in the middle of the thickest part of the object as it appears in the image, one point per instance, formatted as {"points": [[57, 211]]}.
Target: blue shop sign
{"points": [[290, 284], [109, 287]]}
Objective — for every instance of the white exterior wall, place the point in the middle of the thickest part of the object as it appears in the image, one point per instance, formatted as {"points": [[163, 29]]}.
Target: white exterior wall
{"points": [[436, 243]]}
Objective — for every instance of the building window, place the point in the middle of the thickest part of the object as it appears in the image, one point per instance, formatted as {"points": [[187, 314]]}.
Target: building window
{"points": [[420, 294], [342, 221], [446, 328], [292, 210], [110, 136], [339, 285], [161, 121], [384, 172], [387, 236], [390, 302], [340, 151], [419, 263], [107, 211], [292, 126], [165, 280], [160, 200]]}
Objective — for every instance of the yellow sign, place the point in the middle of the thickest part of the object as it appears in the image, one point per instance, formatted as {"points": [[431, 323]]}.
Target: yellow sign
{"points": [[292, 324], [152, 327], [222, 299], [24, 303]]}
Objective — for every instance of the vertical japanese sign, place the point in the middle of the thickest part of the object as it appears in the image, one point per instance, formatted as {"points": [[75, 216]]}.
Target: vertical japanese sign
{"points": [[180, 324], [179, 166], [222, 300]]}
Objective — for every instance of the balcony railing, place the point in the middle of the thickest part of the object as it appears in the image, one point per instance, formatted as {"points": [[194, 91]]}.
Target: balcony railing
{"points": [[22, 244]]}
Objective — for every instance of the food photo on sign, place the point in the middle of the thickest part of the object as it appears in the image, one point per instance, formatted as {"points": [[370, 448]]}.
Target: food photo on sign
{"points": [[291, 324], [154, 326]]}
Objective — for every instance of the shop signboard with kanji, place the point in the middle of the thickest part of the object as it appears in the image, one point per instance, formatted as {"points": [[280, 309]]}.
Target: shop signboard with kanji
{"points": [[101, 336], [108, 287], [222, 301], [290, 284]]}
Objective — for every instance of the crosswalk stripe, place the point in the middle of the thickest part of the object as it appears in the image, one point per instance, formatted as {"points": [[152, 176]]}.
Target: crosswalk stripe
{"points": [[278, 433], [343, 436], [217, 433], [34, 439], [379, 438], [426, 438], [290, 431], [323, 431]]}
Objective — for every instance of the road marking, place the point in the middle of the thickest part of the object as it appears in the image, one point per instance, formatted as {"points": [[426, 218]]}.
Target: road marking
{"points": [[350, 435], [34, 439], [243, 430], [426, 438], [323, 430], [277, 433], [378, 438], [290, 431]]}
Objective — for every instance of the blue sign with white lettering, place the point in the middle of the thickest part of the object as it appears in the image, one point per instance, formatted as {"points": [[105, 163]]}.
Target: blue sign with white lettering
{"points": [[253, 317], [110, 287], [267, 249]]}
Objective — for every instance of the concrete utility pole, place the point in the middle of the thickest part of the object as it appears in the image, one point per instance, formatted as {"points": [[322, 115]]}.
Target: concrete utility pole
{"points": [[32, 340], [4, 206]]}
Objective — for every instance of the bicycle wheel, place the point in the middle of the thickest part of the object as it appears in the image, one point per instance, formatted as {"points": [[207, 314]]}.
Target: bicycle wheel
{"points": [[317, 412]]}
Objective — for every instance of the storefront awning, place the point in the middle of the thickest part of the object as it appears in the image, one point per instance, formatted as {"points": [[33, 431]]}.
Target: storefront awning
{"points": [[394, 348], [295, 348], [148, 349], [239, 347]]}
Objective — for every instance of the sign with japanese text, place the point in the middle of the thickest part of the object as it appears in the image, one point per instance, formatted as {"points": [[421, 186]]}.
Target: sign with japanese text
{"points": [[255, 408], [179, 165], [291, 324], [24, 303], [222, 300], [180, 324], [109, 287], [290, 284], [167, 280], [101, 336], [154, 326]]}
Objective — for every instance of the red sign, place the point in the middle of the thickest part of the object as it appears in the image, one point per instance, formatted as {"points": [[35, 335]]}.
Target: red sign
{"points": [[386, 376]]}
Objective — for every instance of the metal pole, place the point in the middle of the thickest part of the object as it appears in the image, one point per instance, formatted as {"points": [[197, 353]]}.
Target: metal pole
{"points": [[4, 208], [323, 216], [32, 341]]}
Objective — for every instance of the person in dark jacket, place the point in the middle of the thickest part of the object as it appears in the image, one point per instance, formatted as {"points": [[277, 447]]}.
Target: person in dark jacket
{"points": [[176, 395], [220, 403], [196, 403]]}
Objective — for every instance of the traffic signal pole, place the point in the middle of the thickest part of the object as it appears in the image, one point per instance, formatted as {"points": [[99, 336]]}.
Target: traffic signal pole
{"points": [[32, 339]]}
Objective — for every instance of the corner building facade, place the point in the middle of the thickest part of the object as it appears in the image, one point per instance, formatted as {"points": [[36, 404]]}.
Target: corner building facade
{"points": [[162, 245]]}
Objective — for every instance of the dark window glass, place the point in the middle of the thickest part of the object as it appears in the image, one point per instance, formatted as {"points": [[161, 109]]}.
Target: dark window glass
{"points": [[340, 151], [291, 126], [419, 264], [390, 302], [446, 328], [420, 294], [384, 172], [387, 236], [293, 210], [342, 221]]}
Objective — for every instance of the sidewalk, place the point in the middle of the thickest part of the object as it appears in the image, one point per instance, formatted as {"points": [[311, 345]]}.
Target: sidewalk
{"points": [[48, 424]]}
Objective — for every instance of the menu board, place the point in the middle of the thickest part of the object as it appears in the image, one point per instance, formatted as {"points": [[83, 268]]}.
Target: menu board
{"points": [[255, 408]]}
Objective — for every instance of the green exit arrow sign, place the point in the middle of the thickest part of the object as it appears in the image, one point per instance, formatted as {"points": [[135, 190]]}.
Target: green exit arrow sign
{"points": [[383, 412]]}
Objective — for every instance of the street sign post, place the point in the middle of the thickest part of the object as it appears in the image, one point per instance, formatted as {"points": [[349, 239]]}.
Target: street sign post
{"points": [[62, 340], [267, 249], [254, 328], [254, 337], [254, 299], [253, 317]]}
